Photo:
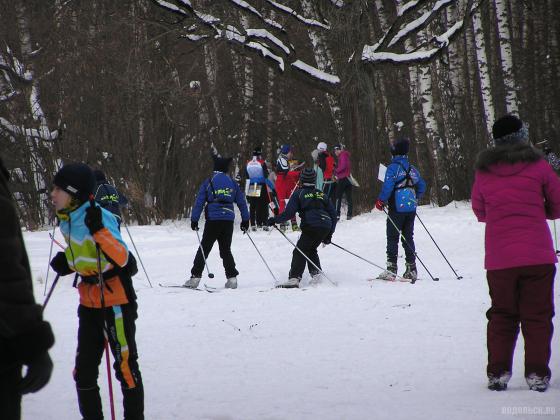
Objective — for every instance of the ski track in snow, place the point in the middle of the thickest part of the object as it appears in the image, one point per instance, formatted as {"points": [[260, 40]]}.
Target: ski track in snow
{"points": [[362, 350]]}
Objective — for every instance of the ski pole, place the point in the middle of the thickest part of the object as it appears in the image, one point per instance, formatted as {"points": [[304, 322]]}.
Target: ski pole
{"points": [[55, 241], [262, 258], [305, 256], [137, 253], [363, 259], [441, 252], [409, 247], [211, 275], [49, 263], [105, 326], [55, 281]]}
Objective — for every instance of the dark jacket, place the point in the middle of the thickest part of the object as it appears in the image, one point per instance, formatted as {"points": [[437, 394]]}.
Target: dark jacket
{"points": [[24, 335], [219, 193], [109, 198], [314, 208]]}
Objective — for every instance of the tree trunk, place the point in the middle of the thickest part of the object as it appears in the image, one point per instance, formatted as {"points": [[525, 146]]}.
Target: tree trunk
{"points": [[483, 72], [506, 56]]}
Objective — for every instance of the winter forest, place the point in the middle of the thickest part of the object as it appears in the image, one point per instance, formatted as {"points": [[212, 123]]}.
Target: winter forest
{"points": [[144, 88]]}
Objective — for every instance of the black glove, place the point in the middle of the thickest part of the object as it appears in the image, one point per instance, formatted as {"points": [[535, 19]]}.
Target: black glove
{"points": [[271, 221], [194, 225], [60, 264], [94, 219], [38, 374], [245, 225], [328, 239]]}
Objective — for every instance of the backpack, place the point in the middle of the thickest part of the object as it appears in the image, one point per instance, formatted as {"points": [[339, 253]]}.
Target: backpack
{"points": [[405, 192]]}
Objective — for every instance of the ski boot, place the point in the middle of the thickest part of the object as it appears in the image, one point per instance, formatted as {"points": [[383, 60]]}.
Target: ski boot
{"points": [[390, 274], [499, 383], [295, 227], [283, 227], [410, 273], [315, 279], [231, 283], [291, 283], [192, 283], [537, 383], [265, 228], [253, 228]]}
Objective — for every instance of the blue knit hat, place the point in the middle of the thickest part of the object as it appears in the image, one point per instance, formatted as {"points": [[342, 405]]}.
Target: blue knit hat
{"points": [[285, 149]]}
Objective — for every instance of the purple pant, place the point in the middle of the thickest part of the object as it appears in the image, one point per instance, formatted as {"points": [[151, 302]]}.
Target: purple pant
{"points": [[520, 296]]}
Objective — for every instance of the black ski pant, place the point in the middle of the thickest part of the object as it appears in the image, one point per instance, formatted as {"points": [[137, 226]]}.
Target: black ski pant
{"points": [[344, 188], [119, 322], [221, 231], [308, 242], [329, 190], [405, 224], [258, 208], [10, 398]]}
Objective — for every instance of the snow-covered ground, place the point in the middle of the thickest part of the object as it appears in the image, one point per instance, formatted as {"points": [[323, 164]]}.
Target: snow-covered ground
{"points": [[362, 350]]}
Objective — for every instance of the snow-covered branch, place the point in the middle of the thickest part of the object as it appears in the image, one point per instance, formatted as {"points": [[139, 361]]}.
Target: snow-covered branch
{"points": [[391, 49], [211, 21], [12, 67]]}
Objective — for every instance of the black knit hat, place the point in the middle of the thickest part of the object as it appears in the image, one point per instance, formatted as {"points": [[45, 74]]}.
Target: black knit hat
{"points": [[509, 129], [400, 146], [76, 179], [257, 151], [308, 177], [338, 146], [221, 164]]}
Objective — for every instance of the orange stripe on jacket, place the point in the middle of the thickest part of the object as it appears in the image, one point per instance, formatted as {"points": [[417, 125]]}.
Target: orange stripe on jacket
{"points": [[111, 246]]}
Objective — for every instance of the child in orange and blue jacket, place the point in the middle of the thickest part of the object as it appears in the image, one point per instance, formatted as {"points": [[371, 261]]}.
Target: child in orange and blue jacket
{"points": [[107, 310]]}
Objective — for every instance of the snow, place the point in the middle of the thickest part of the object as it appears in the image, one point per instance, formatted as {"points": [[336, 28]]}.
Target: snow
{"points": [[315, 72], [263, 33], [307, 21], [247, 6], [414, 25], [171, 6], [361, 350], [265, 52], [369, 54]]}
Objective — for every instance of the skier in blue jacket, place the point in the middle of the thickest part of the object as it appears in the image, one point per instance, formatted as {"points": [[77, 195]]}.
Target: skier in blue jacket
{"points": [[402, 188], [216, 196]]}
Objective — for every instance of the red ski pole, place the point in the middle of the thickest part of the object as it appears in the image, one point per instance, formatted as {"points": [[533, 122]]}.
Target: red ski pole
{"points": [[106, 328]]}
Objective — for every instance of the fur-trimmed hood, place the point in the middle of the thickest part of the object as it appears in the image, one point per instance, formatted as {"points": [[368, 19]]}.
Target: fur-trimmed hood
{"points": [[507, 160]]}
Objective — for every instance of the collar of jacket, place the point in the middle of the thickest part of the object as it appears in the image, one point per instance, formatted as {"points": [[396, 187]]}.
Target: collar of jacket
{"points": [[507, 154]]}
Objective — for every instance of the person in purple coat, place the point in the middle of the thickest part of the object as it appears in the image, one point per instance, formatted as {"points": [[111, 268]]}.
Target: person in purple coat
{"points": [[515, 191], [343, 184]]}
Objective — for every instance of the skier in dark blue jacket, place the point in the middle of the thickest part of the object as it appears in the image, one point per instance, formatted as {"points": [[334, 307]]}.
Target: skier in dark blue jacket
{"points": [[318, 222], [216, 196], [402, 188], [108, 197]]}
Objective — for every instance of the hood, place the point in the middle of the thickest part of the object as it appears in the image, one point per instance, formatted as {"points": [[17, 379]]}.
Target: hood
{"points": [[507, 160]]}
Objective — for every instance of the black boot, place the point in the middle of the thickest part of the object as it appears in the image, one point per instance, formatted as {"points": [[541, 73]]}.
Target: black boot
{"points": [[89, 402], [133, 402]]}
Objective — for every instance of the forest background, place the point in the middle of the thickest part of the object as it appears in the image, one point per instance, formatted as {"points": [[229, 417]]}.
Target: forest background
{"points": [[142, 89]]}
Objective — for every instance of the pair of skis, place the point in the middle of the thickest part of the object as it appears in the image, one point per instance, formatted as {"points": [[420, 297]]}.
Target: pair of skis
{"points": [[205, 288]]}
